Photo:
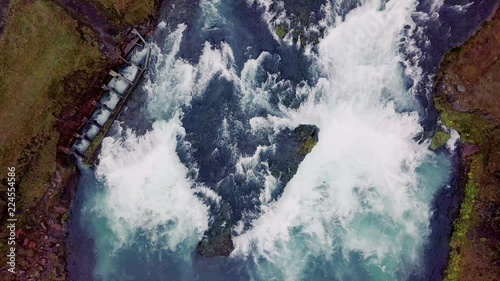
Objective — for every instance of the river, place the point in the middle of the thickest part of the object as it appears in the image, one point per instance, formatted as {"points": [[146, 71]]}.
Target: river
{"points": [[371, 201]]}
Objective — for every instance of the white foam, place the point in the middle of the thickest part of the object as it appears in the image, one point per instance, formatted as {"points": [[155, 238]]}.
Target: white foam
{"points": [[139, 56], [212, 19], [82, 145], [270, 185], [118, 84], [359, 189], [130, 72], [181, 81], [110, 100], [92, 131], [462, 8], [246, 164], [147, 189], [208, 193], [256, 93], [102, 116], [162, 24], [451, 144]]}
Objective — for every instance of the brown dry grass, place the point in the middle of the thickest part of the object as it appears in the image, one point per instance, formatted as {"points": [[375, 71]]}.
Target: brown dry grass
{"points": [[40, 48], [132, 11]]}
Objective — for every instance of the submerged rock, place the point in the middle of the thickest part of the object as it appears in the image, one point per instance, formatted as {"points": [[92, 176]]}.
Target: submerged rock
{"points": [[216, 243], [301, 15], [292, 146]]}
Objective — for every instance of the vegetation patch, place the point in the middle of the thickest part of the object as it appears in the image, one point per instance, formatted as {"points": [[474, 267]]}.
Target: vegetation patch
{"points": [[308, 145], [466, 96], [94, 146], [439, 139], [130, 11], [41, 48], [47, 62], [470, 125], [473, 129], [464, 222], [281, 31]]}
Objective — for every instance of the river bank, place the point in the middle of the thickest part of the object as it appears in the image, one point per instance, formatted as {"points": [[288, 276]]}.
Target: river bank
{"points": [[56, 55], [466, 94]]}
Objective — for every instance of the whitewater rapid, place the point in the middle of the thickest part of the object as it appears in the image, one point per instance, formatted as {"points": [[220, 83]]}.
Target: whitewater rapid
{"points": [[359, 206], [359, 190]]}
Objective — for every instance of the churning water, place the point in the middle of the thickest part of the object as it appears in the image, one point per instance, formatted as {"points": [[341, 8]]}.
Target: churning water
{"points": [[221, 87]]}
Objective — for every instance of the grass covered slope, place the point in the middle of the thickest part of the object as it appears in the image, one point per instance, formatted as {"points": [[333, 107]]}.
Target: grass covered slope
{"points": [[40, 48], [467, 93], [129, 11], [47, 64]]}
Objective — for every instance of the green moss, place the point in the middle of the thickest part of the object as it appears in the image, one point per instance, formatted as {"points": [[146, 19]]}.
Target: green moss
{"points": [[472, 129], [303, 41], [281, 31], [470, 126], [65, 217], [463, 223], [439, 139], [128, 12], [41, 49], [92, 149], [308, 145]]}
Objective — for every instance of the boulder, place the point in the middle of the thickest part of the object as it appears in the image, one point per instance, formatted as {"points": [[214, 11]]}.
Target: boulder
{"points": [[292, 146]]}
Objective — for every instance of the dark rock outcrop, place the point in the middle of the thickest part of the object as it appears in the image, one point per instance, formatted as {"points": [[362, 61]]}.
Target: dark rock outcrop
{"points": [[216, 243], [292, 146], [301, 14]]}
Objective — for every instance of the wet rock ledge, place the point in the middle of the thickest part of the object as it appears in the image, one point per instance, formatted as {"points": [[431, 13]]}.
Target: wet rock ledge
{"points": [[292, 146]]}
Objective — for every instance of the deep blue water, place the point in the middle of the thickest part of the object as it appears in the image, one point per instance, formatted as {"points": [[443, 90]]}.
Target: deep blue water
{"points": [[120, 233]]}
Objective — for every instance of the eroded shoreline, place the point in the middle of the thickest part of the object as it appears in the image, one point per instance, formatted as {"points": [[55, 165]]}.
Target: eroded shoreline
{"points": [[466, 94], [84, 41]]}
